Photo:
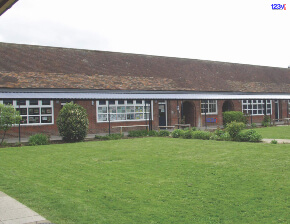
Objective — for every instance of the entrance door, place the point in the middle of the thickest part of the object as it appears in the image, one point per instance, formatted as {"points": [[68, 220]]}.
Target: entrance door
{"points": [[162, 115], [276, 109]]}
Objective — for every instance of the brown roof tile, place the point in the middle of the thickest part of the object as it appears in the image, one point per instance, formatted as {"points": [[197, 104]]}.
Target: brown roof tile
{"points": [[26, 66]]}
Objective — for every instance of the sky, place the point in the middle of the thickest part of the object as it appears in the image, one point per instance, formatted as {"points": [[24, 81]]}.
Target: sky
{"points": [[239, 31]]}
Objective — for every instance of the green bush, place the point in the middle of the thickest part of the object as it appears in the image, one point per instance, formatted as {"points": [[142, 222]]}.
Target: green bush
{"points": [[109, 137], [152, 133], [187, 134], [205, 135], [249, 136], [221, 135], [178, 133], [138, 133], [230, 116], [234, 128], [163, 133], [38, 139], [274, 141], [72, 122], [266, 121], [253, 125]]}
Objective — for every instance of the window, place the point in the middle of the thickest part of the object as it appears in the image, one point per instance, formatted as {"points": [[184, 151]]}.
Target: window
{"points": [[123, 110], [256, 107], [288, 106], [209, 106], [33, 112]]}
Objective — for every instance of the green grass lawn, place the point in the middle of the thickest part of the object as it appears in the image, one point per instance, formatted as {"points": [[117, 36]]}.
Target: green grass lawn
{"points": [[151, 180], [281, 132]]}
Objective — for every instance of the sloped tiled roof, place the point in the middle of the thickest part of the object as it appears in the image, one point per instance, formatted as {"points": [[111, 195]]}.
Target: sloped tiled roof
{"points": [[27, 66]]}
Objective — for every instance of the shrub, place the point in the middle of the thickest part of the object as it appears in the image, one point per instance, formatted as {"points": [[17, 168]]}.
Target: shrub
{"points": [[163, 133], [72, 122], [230, 116], [138, 133], [152, 133], [38, 139], [253, 125], [205, 135], [178, 133], [266, 121], [187, 134], [220, 135], [249, 136], [274, 141], [109, 137], [234, 128], [9, 116]]}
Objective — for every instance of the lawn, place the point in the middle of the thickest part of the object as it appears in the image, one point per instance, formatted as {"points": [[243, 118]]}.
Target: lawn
{"points": [[151, 180], [281, 132]]}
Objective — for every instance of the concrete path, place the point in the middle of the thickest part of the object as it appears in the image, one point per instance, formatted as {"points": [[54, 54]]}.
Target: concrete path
{"points": [[280, 141], [13, 212]]}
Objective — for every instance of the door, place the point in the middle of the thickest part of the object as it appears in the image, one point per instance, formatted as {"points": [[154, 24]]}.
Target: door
{"points": [[162, 115]]}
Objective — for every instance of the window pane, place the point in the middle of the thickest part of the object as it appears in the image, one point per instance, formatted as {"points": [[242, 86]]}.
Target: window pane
{"points": [[22, 111], [102, 117], [8, 102], [111, 102], [45, 110], [138, 101], [45, 102], [102, 102], [33, 119], [21, 102], [130, 116], [121, 102], [121, 117], [129, 101], [138, 116], [112, 110], [139, 109], [130, 109], [46, 119], [102, 110], [121, 109], [24, 120], [33, 111], [33, 102]]}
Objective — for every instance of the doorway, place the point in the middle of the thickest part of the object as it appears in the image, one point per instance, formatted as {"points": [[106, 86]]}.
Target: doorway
{"points": [[189, 113], [162, 113], [228, 106]]}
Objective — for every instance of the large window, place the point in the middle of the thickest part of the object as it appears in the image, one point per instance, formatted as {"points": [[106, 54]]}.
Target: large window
{"points": [[209, 106], [33, 112], [123, 110], [256, 107]]}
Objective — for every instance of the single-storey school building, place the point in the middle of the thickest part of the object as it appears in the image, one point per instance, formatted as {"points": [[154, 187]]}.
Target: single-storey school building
{"points": [[120, 89]]}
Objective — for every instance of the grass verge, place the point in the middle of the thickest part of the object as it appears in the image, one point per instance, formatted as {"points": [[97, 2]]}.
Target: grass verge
{"points": [[151, 180]]}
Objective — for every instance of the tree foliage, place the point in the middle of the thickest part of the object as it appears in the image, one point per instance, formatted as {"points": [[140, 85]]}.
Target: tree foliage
{"points": [[72, 122], [8, 117]]}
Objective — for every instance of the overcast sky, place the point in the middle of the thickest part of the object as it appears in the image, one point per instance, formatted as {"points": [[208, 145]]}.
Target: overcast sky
{"points": [[239, 31]]}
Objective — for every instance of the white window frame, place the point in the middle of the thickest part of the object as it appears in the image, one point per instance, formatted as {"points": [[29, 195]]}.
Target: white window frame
{"points": [[39, 106], [257, 105], [124, 113], [208, 103], [288, 106]]}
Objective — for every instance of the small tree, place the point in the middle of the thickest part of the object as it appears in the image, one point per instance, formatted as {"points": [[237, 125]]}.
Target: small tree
{"points": [[8, 117], [234, 129], [72, 122]]}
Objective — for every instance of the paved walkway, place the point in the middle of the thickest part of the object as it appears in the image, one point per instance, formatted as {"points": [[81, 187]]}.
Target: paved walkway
{"points": [[279, 141], [13, 212]]}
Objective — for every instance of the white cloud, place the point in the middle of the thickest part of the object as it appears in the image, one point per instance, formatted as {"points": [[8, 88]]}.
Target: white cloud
{"points": [[239, 31]]}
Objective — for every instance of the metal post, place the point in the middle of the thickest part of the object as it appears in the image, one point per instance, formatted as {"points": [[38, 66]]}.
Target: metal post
{"points": [[109, 118], [177, 109], [150, 118], [251, 111], [19, 124], [205, 114]]}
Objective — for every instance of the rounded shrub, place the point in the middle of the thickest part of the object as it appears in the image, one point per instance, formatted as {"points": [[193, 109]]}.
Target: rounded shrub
{"points": [[205, 135], [163, 133], [230, 116], [249, 136], [234, 128], [152, 133], [178, 133], [72, 122], [187, 134], [38, 139]]}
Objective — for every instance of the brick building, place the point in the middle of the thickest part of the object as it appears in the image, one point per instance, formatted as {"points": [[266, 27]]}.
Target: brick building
{"points": [[133, 89]]}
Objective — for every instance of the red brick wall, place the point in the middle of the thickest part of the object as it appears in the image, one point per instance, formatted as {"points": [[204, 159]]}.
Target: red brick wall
{"points": [[173, 116]]}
